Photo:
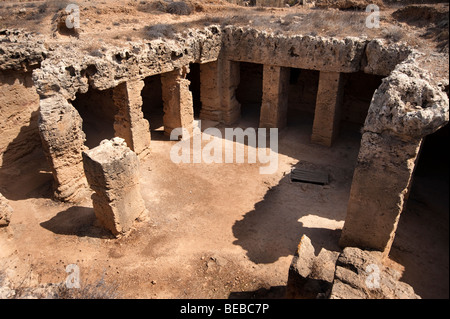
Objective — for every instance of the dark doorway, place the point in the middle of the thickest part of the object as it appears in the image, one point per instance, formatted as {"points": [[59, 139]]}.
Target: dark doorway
{"points": [[303, 85], [422, 239], [153, 106], [358, 92], [249, 92], [97, 110]]}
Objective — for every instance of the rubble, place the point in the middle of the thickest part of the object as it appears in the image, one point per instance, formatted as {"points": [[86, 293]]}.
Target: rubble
{"points": [[352, 274]]}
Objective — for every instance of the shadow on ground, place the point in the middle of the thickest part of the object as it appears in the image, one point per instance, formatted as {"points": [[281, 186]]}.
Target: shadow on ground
{"points": [[78, 221], [273, 230]]}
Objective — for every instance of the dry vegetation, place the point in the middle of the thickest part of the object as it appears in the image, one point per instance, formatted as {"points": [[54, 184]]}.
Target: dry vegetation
{"points": [[150, 19]]}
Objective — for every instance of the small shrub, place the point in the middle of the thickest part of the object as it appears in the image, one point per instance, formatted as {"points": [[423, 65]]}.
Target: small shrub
{"points": [[179, 8], [394, 33], [96, 290]]}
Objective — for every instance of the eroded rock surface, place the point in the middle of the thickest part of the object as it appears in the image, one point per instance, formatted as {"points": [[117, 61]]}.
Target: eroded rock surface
{"points": [[112, 171], [310, 276], [352, 274], [360, 274], [20, 50], [404, 109]]}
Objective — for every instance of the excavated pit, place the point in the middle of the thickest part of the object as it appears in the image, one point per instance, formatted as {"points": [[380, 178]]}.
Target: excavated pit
{"points": [[340, 107]]}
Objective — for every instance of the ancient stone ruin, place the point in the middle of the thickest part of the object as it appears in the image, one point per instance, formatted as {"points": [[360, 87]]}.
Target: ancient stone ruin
{"points": [[94, 114], [112, 171]]}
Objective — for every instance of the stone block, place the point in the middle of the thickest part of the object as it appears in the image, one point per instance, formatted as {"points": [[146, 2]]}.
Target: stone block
{"points": [[310, 276], [112, 171]]}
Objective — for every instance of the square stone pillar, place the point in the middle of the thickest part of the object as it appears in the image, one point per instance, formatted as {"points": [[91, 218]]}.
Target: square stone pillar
{"points": [[275, 97], [60, 127], [210, 92], [178, 102], [328, 108], [112, 171], [380, 187], [219, 81], [129, 121], [230, 82]]}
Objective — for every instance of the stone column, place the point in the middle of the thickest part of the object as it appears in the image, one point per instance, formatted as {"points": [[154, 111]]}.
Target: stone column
{"points": [[381, 182], [219, 81], [275, 97], [404, 109], [129, 121], [328, 108], [210, 92], [178, 103], [60, 127], [112, 171], [230, 81]]}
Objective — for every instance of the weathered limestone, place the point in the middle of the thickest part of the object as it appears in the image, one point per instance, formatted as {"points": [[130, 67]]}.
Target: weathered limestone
{"points": [[5, 211], [381, 59], [129, 121], [352, 274], [178, 103], [68, 72], [297, 51], [360, 274], [21, 50], [112, 171], [310, 276], [19, 109], [219, 81], [65, 73], [328, 108], [404, 109], [275, 97], [60, 127], [231, 107], [210, 91]]}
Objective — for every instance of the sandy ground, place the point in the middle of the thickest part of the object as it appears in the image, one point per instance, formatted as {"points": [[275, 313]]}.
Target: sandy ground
{"points": [[214, 230]]}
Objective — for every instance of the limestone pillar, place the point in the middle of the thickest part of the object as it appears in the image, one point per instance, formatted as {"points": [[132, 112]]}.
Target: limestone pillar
{"points": [[230, 82], [60, 127], [381, 182], [178, 103], [219, 81], [210, 92], [275, 97], [404, 109], [129, 121], [112, 171], [328, 108]]}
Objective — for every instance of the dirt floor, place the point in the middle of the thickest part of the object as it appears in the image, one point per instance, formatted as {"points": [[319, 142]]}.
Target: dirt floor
{"points": [[214, 230]]}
